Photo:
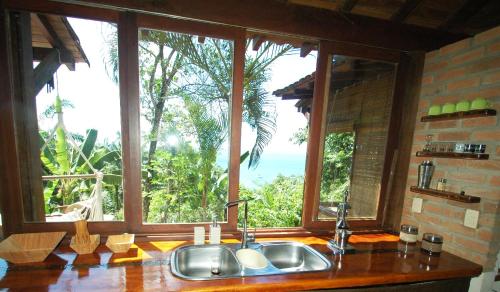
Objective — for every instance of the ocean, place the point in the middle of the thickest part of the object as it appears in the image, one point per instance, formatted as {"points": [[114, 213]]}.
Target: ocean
{"points": [[269, 167]]}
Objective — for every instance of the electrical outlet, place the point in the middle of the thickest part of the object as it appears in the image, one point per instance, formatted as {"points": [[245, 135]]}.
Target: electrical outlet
{"points": [[416, 207], [471, 218]]}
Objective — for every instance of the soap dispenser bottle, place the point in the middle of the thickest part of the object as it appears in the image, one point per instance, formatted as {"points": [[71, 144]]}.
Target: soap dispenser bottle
{"points": [[215, 231]]}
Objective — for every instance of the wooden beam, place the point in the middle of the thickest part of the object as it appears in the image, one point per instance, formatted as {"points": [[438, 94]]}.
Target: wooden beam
{"points": [[405, 10], [262, 15], [10, 181], [303, 91], [128, 52], [40, 53], [305, 49], [346, 6], [45, 70], [257, 41], [459, 18], [53, 38], [25, 113]]}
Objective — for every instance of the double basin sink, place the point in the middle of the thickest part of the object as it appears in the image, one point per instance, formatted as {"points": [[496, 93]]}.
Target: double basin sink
{"points": [[208, 262]]}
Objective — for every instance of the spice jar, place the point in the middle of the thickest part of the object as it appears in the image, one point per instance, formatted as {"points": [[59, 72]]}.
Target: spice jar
{"points": [[432, 243], [441, 186], [408, 233]]}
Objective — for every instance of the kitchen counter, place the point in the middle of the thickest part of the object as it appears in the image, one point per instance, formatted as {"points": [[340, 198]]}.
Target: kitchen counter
{"points": [[146, 267]]}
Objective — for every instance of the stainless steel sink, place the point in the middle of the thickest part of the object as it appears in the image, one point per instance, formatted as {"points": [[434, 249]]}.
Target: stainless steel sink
{"points": [[206, 262], [293, 257]]}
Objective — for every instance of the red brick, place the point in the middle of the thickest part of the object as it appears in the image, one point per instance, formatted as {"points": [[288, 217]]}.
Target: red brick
{"points": [[468, 56], [489, 207], [488, 35], [430, 219], [452, 163], [446, 98], [483, 64], [453, 136], [428, 68], [424, 104], [479, 122], [462, 84], [412, 171], [490, 194], [491, 78], [493, 48], [485, 235], [455, 47], [495, 180], [484, 93], [484, 164], [443, 124], [430, 56], [420, 127], [468, 177], [450, 74], [432, 89], [491, 135], [487, 221], [454, 227], [476, 245], [427, 79]]}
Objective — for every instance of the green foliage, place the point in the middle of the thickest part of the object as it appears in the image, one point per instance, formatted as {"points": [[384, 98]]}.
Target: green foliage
{"points": [[337, 163], [276, 204], [178, 184]]}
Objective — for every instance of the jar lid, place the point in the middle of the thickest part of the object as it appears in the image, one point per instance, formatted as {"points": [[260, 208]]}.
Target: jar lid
{"points": [[409, 229], [432, 237]]}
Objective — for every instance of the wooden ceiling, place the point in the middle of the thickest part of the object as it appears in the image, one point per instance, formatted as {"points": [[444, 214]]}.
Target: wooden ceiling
{"points": [[457, 16], [52, 31]]}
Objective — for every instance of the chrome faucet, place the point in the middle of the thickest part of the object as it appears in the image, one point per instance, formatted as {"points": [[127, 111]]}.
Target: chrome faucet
{"points": [[245, 237], [339, 244]]}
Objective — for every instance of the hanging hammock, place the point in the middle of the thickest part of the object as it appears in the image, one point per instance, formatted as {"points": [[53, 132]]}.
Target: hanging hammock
{"points": [[90, 209]]}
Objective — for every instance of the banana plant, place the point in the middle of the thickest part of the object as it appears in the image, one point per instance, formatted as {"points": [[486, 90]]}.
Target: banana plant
{"points": [[59, 159]]}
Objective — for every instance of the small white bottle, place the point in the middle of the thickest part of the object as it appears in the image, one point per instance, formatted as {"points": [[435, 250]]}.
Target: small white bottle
{"points": [[215, 231], [199, 235]]}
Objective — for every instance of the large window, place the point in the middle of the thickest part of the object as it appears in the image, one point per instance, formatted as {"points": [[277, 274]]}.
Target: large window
{"points": [[275, 134], [74, 104], [209, 114], [185, 93]]}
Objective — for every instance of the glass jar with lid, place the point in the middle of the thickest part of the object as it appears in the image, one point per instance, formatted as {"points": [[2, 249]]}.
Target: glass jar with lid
{"points": [[408, 233]]}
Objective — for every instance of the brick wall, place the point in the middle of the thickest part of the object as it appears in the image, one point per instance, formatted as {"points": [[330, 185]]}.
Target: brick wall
{"points": [[463, 70]]}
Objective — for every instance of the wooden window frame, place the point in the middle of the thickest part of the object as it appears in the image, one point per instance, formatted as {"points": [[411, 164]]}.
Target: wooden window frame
{"points": [[317, 129], [128, 25]]}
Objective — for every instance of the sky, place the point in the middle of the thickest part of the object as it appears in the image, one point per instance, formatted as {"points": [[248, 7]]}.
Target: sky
{"points": [[96, 100]]}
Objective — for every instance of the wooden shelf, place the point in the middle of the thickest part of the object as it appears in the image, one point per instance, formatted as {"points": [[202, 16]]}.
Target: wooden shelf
{"points": [[460, 115], [446, 195], [477, 156]]}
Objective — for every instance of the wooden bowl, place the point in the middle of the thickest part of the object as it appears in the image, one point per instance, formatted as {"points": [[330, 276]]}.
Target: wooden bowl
{"points": [[87, 246], [120, 243], [29, 247]]}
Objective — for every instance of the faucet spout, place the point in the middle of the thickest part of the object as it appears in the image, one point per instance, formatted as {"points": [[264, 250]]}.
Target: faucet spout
{"points": [[339, 244], [244, 235]]}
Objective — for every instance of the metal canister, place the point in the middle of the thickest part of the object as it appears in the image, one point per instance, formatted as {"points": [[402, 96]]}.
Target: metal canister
{"points": [[425, 171]]}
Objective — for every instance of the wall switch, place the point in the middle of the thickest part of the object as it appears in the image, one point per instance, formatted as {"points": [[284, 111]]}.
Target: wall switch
{"points": [[471, 218], [416, 207]]}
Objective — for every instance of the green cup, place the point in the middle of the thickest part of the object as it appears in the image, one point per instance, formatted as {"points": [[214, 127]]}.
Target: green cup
{"points": [[462, 106], [434, 110], [479, 103], [448, 108]]}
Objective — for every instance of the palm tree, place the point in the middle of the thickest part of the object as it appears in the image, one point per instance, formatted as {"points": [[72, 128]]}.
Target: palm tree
{"points": [[174, 66]]}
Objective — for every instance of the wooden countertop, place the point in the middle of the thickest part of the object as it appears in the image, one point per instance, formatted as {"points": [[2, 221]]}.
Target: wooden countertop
{"points": [[146, 267]]}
